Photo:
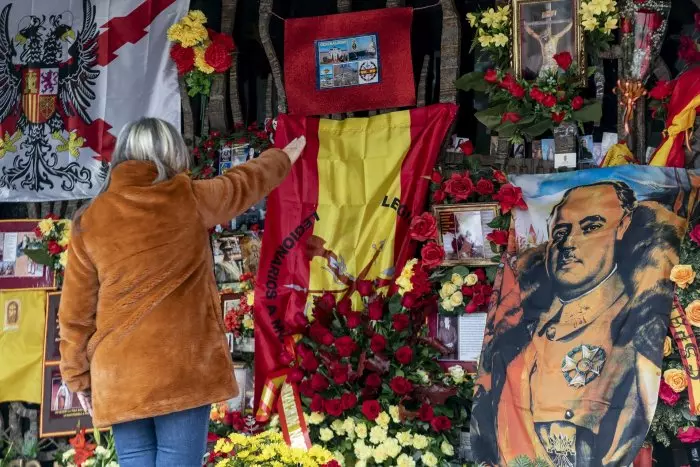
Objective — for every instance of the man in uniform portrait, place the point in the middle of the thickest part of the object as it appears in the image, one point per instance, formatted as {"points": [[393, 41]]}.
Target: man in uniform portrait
{"points": [[229, 268]]}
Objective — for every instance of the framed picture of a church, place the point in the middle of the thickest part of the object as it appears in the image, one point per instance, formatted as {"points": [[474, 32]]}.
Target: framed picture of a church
{"points": [[543, 29]]}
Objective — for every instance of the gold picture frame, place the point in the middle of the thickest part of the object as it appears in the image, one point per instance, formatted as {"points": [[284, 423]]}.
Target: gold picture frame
{"points": [[528, 17], [462, 232]]}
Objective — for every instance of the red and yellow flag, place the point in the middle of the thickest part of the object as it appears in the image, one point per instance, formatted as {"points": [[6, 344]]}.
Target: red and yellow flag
{"points": [[347, 203]]}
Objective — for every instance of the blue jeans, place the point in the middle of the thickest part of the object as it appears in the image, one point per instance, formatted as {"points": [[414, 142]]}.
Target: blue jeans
{"points": [[175, 440]]}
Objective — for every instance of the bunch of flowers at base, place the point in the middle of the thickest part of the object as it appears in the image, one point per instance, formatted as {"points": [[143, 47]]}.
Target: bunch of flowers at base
{"points": [[50, 248], [84, 453]]}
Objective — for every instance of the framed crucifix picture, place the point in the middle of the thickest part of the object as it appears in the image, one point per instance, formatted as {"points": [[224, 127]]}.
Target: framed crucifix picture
{"points": [[543, 29]]}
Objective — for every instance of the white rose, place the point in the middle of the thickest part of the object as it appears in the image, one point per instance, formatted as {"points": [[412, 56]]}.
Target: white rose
{"points": [[471, 279], [447, 449], [447, 305], [448, 288], [457, 280], [457, 373]]}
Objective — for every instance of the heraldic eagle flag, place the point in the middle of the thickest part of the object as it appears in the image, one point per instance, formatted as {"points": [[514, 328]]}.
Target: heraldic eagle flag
{"points": [[72, 73]]}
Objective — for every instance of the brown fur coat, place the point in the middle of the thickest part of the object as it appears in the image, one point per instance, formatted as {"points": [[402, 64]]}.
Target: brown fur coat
{"points": [[140, 318]]}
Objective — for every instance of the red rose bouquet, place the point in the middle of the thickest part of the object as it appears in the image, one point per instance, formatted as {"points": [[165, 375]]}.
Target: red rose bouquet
{"points": [[239, 319]]}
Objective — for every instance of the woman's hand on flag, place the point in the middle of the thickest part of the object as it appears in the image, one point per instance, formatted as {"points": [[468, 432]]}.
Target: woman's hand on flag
{"points": [[295, 148]]}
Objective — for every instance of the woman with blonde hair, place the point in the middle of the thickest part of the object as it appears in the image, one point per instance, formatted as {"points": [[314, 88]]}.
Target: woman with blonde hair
{"points": [[142, 335]]}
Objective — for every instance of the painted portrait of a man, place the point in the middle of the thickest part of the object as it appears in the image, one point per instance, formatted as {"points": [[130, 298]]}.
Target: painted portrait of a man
{"points": [[572, 352]]}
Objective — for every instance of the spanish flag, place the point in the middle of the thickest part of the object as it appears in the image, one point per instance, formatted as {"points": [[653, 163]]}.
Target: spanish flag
{"points": [[343, 213]]}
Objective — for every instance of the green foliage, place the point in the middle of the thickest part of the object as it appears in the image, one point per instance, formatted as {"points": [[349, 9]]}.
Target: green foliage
{"points": [[473, 81], [198, 83]]}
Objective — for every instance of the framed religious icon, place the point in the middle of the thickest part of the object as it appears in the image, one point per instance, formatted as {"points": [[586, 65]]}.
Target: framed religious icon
{"points": [[543, 29], [52, 338], [60, 412], [462, 231], [17, 271], [251, 243]]}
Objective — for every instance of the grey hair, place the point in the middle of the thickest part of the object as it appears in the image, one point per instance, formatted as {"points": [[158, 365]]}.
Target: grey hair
{"points": [[150, 140]]}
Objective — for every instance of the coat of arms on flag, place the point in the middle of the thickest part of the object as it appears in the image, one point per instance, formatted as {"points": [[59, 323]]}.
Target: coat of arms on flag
{"points": [[67, 86]]}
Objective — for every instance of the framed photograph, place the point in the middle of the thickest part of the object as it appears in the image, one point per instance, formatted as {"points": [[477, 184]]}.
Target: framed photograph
{"points": [[542, 29], [228, 260], [251, 244], [448, 335], [462, 231], [60, 411], [230, 301], [463, 335], [17, 271], [52, 338], [231, 156], [242, 375]]}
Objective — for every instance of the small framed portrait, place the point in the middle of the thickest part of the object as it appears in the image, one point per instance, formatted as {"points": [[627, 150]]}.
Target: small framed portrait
{"points": [[232, 156], [462, 231], [60, 412], [463, 336], [242, 375], [52, 337], [543, 29], [448, 335], [17, 270], [229, 301], [228, 260], [12, 314]]}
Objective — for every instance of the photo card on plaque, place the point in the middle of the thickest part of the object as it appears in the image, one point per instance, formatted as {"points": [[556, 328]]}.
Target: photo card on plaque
{"points": [[462, 231], [60, 412]]}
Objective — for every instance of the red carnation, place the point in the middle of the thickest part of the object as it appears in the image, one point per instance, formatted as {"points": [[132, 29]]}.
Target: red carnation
{"points": [[317, 403], [373, 381], [564, 60], [365, 288], [662, 90], [348, 401], [319, 382], [689, 435], [467, 148], [400, 385], [376, 309], [37, 233], [218, 56], [371, 409], [221, 38], [404, 355], [333, 407], [423, 227], [432, 255], [339, 373], [54, 247], [459, 186], [484, 187], [441, 424], [332, 463], [426, 413], [378, 343], [537, 94], [354, 320], [345, 346], [183, 58], [439, 196], [499, 237], [436, 177], [512, 117], [549, 101], [510, 197], [400, 321], [558, 117], [577, 103], [421, 281], [491, 76]]}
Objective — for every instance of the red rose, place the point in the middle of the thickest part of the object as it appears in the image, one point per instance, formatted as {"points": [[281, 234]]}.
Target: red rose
{"points": [[400, 385], [508, 81], [549, 101], [510, 197], [689, 434], [499, 176], [480, 274], [668, 395], [183, 58], [467, 148], [484, 187], [432, 255], [662, 90], [286, 358], [218, 56], [536, 94], [423, 227], [409, 300], [441, 424], [365, 288], [354, 320], [371, 409], [439, 196], [558, 117], [376, 309], [344, 307], [327, 301], [491, 76], [499, 237], [339, 373], [319, 382], [404, 355], [400, 322], [378, 343], [309, 362], [459, 186], [564, 60], [295, 375], [695, 234], [517, 91], [426, 413], [577, 103], [436, 177], [421, 281], [54, 248], [333, 407], [321, 334], [512, 117], [373, 380], [345, 346], [348, 401], [317, 403]]}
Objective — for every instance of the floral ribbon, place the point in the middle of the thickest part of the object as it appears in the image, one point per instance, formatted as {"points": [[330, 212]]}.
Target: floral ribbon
{"points": [[283, 395], [688, 348]]}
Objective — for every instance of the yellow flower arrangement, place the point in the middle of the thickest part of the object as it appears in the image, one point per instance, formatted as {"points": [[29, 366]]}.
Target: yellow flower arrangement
{"points": [[682, 275], [200, 62], [46, 226], [404, 280], [676, 379], [190, 30], [267, 448], [492, 29], [599, 15]]}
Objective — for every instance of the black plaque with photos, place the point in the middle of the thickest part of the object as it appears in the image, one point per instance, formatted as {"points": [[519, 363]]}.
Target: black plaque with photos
{"points": [[61, 413]]}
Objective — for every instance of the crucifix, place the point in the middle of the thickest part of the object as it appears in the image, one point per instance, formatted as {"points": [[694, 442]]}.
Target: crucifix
{"points": [[548, 41]]}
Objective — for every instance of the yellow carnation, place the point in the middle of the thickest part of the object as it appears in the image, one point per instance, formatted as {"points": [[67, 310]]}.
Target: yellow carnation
{"points": [[447, 449], [429, 459], [457, 299], [383, 419], [45, 226], [65, 237], [405, 461], [420, 441], [392, 447], [676, 379], [361, 430], [63, 259], [377, 434], [362, 451], [404, 280], [197, 16], [683, 275], [188, 35], [349, 427], [668, 346], [394, 412], [326, 434], [471, 279], [405, 438], [337, 426], [200, 62], [380, 454], [316, 418]]}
